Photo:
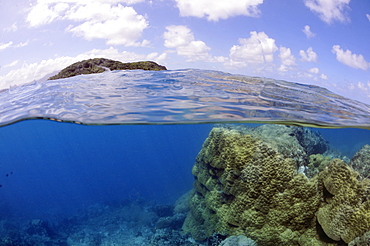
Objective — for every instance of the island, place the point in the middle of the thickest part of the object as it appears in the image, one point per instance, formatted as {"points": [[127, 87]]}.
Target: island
{"points": [[99, 65]]}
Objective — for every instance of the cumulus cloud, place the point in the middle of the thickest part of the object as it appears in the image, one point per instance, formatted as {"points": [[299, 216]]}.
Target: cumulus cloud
{"points": [[258, 48], [35, 71], [330, 10], [287, 60], [307, 31], [215, 10], [314, 70], [368, 16], [323, 76], [182, 39], [346, 57], [308, 56], [101, 19]]}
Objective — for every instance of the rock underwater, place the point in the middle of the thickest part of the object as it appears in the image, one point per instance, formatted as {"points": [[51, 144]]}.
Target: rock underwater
{"points": [[253, 182], [99, 65]]}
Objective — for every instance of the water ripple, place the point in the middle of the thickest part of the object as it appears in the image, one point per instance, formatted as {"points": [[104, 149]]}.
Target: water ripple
{"points": [[177, 97]]}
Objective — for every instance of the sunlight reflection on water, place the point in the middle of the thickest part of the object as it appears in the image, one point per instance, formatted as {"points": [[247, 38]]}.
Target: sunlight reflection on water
{"points": [[178, 97]]}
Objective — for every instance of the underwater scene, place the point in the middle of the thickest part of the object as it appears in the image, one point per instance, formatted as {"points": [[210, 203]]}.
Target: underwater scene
{"points": [[184, 123], [182, 157]]}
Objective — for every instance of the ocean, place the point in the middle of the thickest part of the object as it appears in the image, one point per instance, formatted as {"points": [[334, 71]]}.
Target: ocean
{"points": [[102, 159]]}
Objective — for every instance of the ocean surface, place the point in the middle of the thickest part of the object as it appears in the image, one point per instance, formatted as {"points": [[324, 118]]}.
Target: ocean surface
{"points": [[133, 136]]}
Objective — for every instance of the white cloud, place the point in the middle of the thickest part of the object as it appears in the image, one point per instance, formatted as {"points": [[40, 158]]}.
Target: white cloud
{"points": [[6, 45], [307, 31], [362, 86], [36, 71], [361, 91], [11, 28], [308, 56], [314, 70], [259, 48], [10, 44], [368, 16], [21, 44], [182, 39], [215, 10], [41, 14], [99, 19], [323, 76], [330, 10], [177, 36], [346, 57], [12, 64], [287, 59]]}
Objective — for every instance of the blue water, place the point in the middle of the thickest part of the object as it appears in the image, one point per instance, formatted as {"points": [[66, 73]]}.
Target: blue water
{"points": [[59, 168], [131, 142]]}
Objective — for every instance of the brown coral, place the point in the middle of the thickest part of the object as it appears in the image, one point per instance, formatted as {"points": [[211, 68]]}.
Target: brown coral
{"points": [[361, 161], [245, 186], [346, 213]]}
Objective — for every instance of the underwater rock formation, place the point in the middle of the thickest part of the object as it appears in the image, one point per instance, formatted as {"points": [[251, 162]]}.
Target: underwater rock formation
{"points": [[248, 181], [99, 65]]}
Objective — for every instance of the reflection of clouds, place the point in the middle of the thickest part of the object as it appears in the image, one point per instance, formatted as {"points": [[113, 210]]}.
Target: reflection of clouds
{"points": [[183, 96]]}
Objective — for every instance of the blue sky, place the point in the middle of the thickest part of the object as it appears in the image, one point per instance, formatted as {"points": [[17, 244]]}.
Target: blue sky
{"points": [[320, 42]]}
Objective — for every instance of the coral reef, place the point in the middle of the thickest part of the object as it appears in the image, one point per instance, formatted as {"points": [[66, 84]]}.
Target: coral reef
{"points": [[361, 162], [122, 223], [99, 65], [345, 214], [238, 241], [363, 240], [245, 186], [248, 182], [317, 164]]}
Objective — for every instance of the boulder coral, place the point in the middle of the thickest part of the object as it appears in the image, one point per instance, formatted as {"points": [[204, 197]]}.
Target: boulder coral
{"points": [[345, 213], [245, 186], [249, 184], [363, 240], [361, 161]]}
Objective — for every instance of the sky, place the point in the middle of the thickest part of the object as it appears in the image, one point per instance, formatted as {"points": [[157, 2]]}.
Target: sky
{"points": [[319, 42]]}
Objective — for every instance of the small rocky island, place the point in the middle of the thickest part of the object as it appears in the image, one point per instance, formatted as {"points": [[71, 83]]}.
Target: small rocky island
{"points": [[99, 65]]}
